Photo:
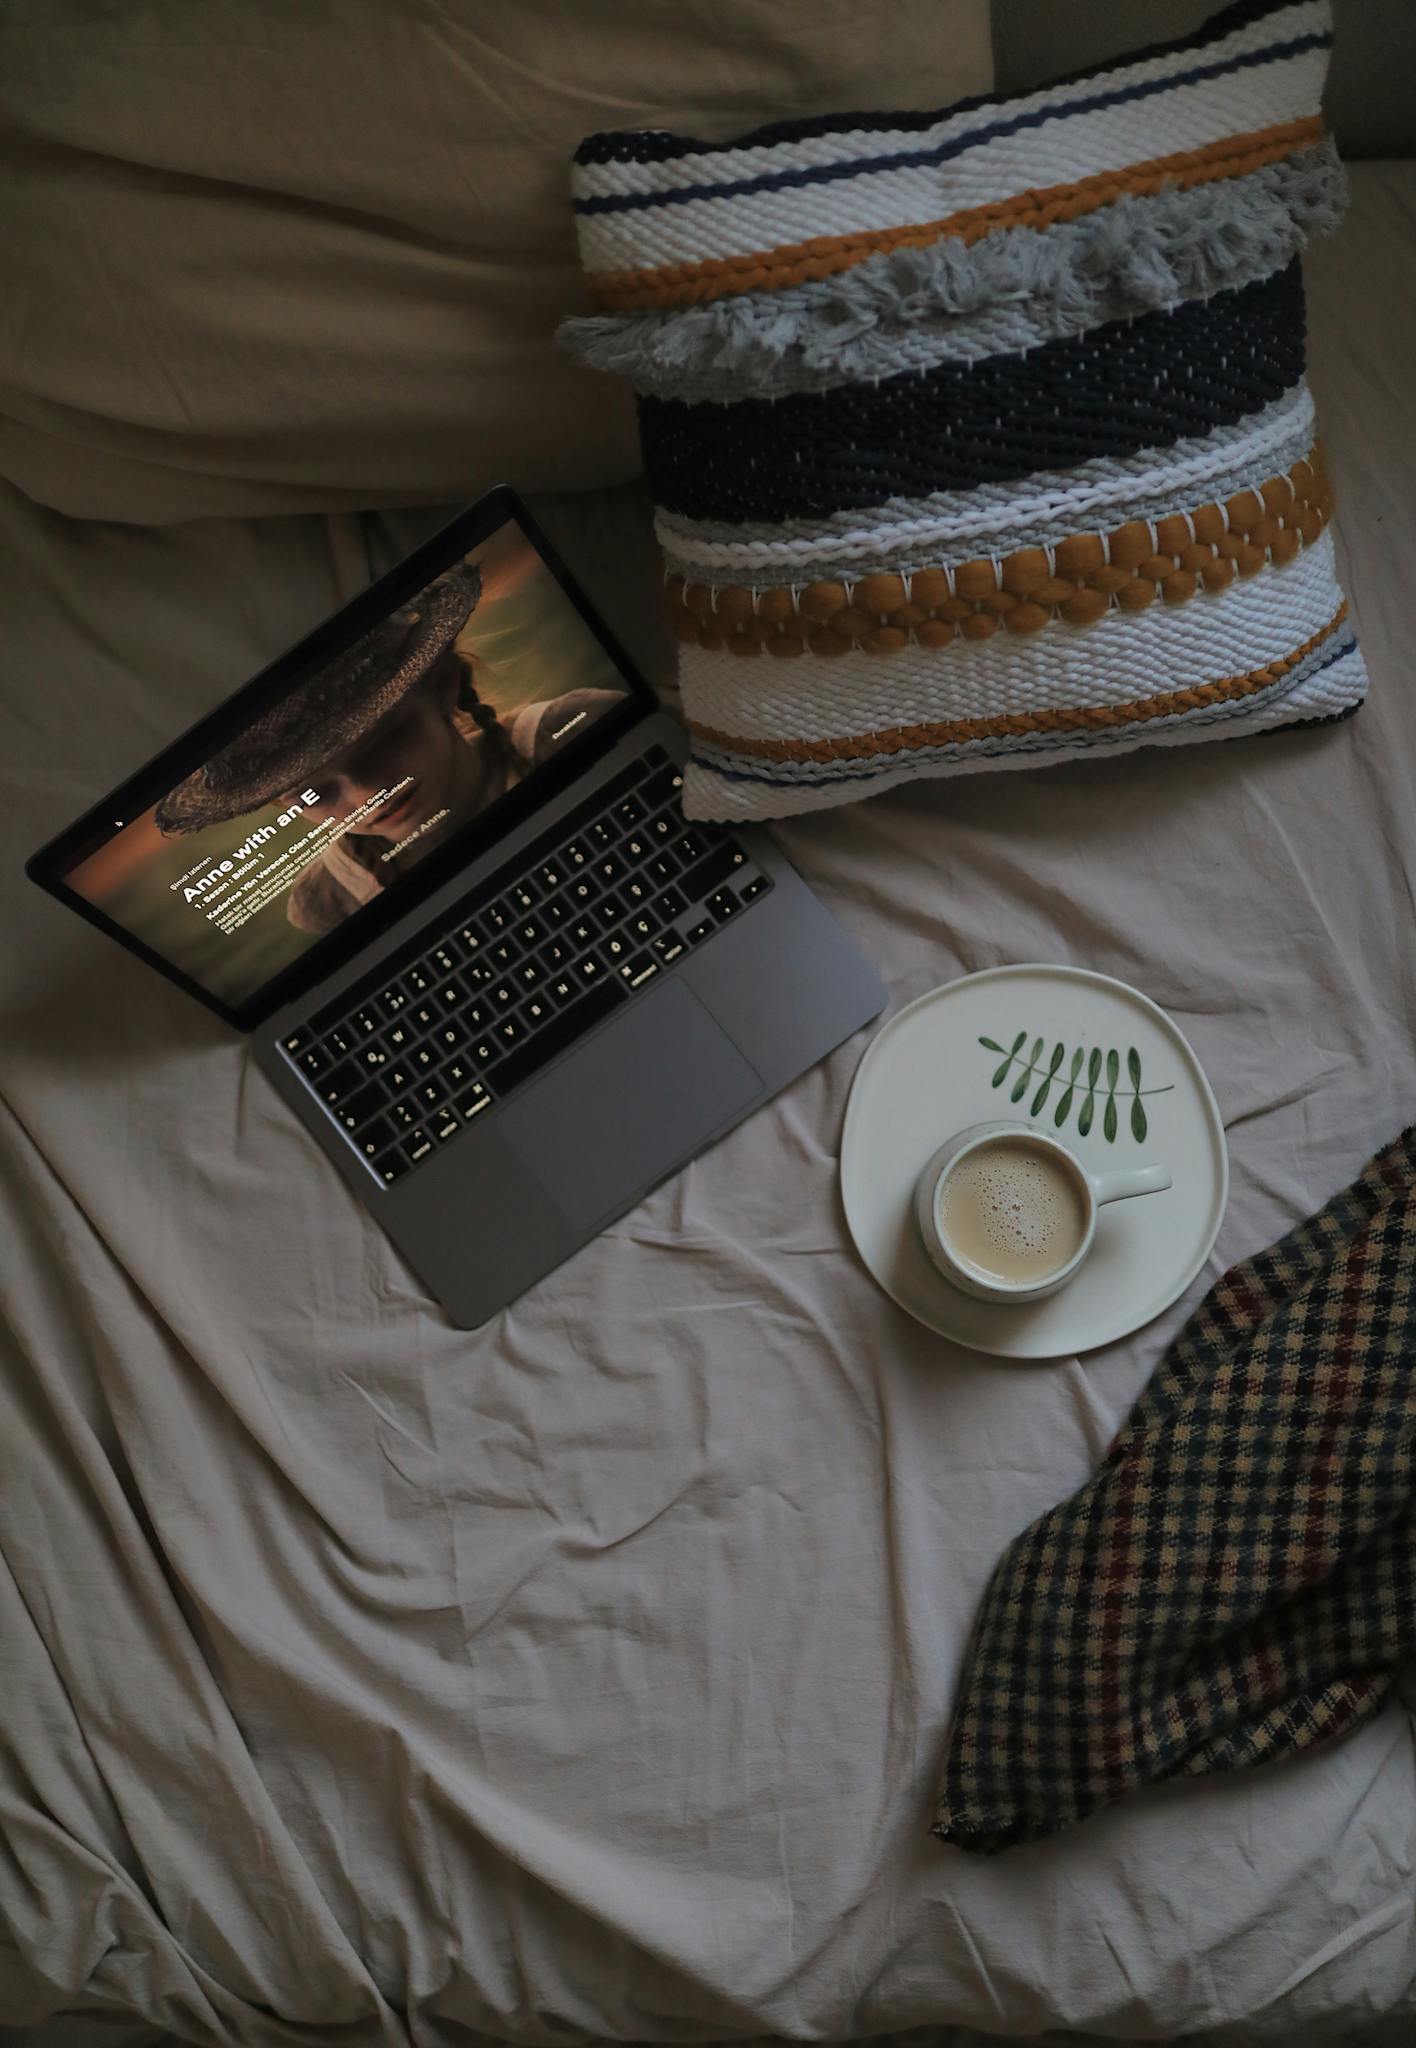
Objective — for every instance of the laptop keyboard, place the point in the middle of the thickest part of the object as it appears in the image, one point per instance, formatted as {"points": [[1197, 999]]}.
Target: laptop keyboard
{"points": [[478, 1003]]}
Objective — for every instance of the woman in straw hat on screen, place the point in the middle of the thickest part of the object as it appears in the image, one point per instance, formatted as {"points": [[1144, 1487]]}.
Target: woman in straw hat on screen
{"points": [[397, 741]]}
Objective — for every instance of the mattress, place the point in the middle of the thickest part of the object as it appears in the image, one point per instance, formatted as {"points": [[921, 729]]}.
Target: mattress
{"points": [[586, 1677]]}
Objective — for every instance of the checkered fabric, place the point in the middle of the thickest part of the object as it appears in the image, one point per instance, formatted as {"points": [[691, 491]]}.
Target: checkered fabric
{"points": [[1238, 1582]]}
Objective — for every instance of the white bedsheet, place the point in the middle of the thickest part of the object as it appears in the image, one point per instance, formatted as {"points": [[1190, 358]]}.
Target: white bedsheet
{"points": [[363, 1680]]}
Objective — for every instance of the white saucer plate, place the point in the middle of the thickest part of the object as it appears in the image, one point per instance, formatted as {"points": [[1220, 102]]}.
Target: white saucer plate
{"points": [[1076, 1054]]}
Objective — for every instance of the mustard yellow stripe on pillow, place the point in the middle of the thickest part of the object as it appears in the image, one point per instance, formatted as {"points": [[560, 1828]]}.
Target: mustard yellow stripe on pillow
{"points": [[716, 277]]}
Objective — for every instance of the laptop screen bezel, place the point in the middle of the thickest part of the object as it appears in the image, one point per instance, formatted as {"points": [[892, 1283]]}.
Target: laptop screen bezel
{"points": [[49, 866]]}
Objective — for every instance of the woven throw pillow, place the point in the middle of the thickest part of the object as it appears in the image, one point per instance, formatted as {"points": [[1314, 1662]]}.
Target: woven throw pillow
{"points": [[981, 438]]}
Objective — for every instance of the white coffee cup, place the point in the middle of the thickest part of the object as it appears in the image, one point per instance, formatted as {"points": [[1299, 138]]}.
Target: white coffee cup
{"points": [[1076, 1227]]}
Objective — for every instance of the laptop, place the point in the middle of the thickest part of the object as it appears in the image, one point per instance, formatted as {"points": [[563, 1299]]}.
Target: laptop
{"points": [[434, 861]]}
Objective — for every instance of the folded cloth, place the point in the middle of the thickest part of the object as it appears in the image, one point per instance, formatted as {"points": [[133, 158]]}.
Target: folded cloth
{"points": [[1238, 1582]]}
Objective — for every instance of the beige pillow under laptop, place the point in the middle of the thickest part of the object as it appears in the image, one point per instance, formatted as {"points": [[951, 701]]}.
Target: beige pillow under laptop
{"points": [[272, 258]]}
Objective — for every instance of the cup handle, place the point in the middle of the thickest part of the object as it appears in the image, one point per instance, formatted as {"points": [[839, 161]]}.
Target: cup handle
{"points": [[1137, 1180]]}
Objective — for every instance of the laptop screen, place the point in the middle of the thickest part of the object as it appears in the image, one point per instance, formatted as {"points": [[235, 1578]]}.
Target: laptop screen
{"points": [[335, 790]]}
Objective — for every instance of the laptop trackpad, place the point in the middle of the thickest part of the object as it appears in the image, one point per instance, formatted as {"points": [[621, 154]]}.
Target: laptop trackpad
{"points": [[636, 1101]]}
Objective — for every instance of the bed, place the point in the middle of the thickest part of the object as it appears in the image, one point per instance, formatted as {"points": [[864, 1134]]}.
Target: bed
{"points": [[586, 1677]]}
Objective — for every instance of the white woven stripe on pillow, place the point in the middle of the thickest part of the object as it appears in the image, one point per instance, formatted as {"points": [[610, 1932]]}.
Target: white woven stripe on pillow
{"points": [[950, 525], [727, 165], [1031, 748], [1325, 694], [1124, 656], [1187, 117]]}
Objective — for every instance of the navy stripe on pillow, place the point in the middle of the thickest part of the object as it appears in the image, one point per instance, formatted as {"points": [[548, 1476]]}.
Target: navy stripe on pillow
{"points": [[952, 146], [1111, 391]]}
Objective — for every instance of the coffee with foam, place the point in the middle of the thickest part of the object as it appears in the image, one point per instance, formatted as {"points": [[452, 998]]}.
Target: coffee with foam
{"points": [[1012, 1211]]}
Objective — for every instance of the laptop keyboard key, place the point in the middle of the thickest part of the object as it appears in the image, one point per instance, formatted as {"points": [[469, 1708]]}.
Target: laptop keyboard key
{"points": [[551, 874], [429, 1093], [629, 811], [758, 886], [510, 1031], [670, 905], [643, 967], [714, 869], [722, 904], [476, 1099], [577, 854], [314, 1061], [503, 997], [377, 1137], [360, 1109], [530, 932], [446, 957], [704, 929], [445, 1125], [669, 946], [536, 1011], [504, 954], [402, 1115], [367, 1021], [398, 1077], [523, 897], [417, 982], [296, 1041], [530, 974], [562, 989], [557, 954], [370, 1058], [424, 1016], [340, 1042], [665, 787], [662, 869], [391, 1167], [417, 1145], [424, 1058]]}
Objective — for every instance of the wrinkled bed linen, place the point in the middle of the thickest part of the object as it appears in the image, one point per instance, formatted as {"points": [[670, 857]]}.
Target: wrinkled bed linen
{"points": [[369, 1681]]}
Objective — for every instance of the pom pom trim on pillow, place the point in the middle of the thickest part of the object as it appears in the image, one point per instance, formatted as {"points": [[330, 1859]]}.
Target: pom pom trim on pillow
{"points": [[991, 424]]}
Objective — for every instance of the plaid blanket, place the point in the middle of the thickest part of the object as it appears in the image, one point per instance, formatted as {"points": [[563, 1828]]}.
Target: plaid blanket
{"points": [[1238, 1582]]}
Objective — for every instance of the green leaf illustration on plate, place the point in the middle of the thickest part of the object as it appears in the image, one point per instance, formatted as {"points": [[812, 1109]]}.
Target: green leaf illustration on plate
{"points": [[1020, 1086], [1139, 1125], [1060, 1114], [1108, 1115], [1088, 1108], [1058, 1051], [1073, 1094]]}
